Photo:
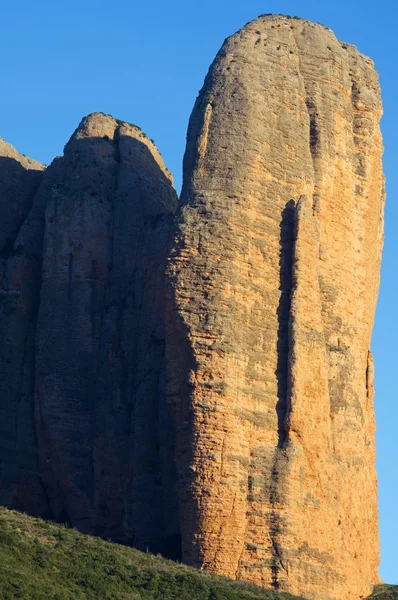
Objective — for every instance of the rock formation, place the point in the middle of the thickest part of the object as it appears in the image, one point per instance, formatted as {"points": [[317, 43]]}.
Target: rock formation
{"points": [[21, 233], [207, 373], [97, 436], [105, 442], [273, 281]]}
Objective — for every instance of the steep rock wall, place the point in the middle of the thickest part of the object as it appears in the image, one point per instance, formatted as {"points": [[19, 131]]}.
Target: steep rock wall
{"points": [[105, 440], [273, 280], [85, 434], [21, 235]]}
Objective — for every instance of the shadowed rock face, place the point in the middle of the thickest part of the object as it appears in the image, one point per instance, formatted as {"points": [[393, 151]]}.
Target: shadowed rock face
{"points": [[273, 281], [93, 246], [105, 441], [20, 178], [21, 234]]}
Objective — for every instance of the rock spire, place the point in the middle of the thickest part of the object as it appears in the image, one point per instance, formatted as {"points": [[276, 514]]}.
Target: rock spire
{"points": [[273, 282]]}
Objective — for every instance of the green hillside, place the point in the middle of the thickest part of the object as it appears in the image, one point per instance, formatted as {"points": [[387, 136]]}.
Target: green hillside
{"points": [[43, 561]]}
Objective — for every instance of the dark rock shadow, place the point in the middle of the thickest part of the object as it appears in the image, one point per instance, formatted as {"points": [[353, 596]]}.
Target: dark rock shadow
{"points": [[17, 188], [279, 462], [286, 246], [113, 475], [20, 280]]}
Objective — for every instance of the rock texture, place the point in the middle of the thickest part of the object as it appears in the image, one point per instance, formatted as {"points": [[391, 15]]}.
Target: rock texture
{"points": [[273, 281], [93, 246], [21, 233], [208, 373], [105, 441]]}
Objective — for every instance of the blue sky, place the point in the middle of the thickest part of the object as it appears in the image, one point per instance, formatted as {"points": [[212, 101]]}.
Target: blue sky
{"points": [[144, 63]]}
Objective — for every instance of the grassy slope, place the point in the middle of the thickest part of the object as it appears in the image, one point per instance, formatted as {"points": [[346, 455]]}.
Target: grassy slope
{"points": [[44, 561]]}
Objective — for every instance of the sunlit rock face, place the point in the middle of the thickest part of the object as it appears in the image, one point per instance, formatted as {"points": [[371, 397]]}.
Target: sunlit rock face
{"points": [[272, 285]]}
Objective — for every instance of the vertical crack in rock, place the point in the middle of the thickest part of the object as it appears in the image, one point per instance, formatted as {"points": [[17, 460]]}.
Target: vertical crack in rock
{"points": [[313, 146], [287, 239], [314, 133], [285, 264]]}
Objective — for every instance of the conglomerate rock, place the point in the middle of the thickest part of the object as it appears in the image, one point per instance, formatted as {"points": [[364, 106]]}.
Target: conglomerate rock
{"points": [[273, 281]]}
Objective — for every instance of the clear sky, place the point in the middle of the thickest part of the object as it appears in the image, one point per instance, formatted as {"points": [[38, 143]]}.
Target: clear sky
{"points": [[144, 62]]}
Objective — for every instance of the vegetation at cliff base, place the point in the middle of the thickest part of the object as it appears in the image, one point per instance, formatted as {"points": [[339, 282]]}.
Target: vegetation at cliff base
{"points": [[40, 560]]}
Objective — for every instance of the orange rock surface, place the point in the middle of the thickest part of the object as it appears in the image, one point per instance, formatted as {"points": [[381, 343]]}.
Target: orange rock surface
{"points": [[273, 281]]}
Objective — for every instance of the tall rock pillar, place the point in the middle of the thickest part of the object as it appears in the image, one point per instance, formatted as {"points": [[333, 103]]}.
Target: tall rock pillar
{"points": [[272, 286]]}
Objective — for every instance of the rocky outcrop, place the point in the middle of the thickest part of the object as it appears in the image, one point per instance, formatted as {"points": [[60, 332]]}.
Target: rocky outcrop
{"points": [[85, 412], [20, 178], [105, 442], [21, 233], [273, 281]]}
